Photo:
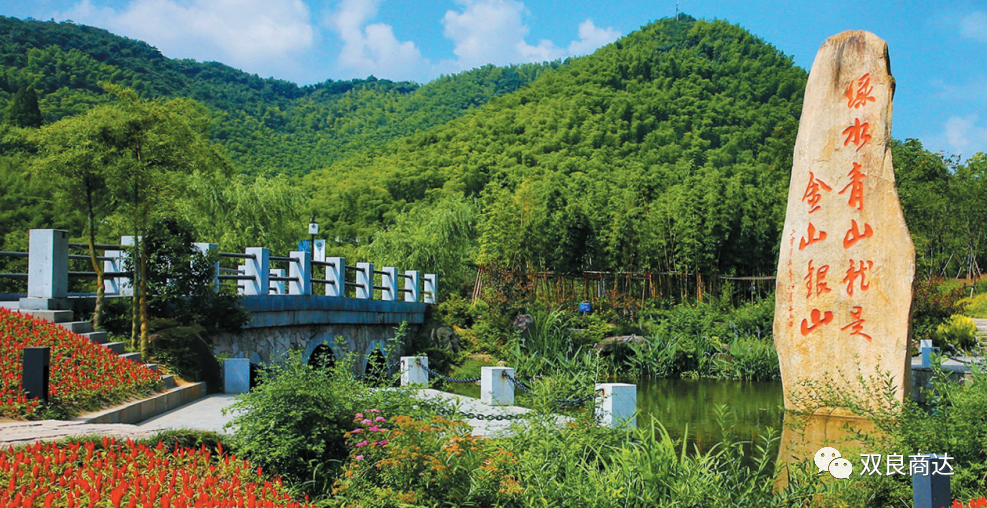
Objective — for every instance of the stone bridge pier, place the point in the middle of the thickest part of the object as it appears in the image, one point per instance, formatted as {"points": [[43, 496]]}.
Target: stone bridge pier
{"points": [[314, 324]]}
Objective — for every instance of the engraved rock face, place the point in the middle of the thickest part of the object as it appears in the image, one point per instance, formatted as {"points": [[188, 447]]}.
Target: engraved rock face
{"points": [[845, 270]]}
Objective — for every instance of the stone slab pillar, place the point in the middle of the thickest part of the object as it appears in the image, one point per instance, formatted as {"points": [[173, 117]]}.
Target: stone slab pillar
{"points": [[430, 290], [413, 370], [276, 287], [205, 249], [335, 274], [258, 268], [365, 281], [236, 375], [844, 286], [301, 269], [389, 281], [126, 284], [37, 372], [495, 388], [47, 271], [411, 285], [617, 404]]}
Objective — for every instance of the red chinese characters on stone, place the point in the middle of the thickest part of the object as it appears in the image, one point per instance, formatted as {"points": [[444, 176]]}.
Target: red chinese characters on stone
{"points": [[858, 323], [812, 192], [818, 319], [820, 285], [856, 187], [857, 134], [853, 235], [852, 274], [860, 95], [813, 237]]}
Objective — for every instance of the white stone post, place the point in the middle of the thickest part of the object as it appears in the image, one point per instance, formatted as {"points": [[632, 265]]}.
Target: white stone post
{"points": [[617, 405], [47, 270], [258, 269], [115, 264], [336, 274], [365, 279], [276, 287], [495, 388], [926, 349], [390, 281], [205, 249], [126, 284], [430, 289], [301, 269], [413, 370], [411, 284]]}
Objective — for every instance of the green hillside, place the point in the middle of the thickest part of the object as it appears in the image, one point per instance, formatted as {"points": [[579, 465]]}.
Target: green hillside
{"points": [[267, 125], [668, 150]]}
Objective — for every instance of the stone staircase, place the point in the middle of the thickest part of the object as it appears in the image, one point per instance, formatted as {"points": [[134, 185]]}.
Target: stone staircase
{"points": [[64, 318], [981, 331]]}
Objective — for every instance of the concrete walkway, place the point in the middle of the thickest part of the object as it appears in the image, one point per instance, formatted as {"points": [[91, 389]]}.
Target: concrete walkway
{"points": [[207, 414]]}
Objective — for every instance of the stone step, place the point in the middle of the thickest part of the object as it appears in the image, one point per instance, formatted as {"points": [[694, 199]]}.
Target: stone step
{"points": [[116, 347], [52, 316], [77, 326], [134, 357], [151, 366], [97, 337], [169, 381]]}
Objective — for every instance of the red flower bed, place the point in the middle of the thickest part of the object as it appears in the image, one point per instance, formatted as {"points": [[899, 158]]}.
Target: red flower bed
{"points": [[84, 375], [130, 475]]}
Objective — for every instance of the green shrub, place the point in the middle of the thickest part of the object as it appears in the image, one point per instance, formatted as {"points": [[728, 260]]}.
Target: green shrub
{"points": [[959, 333], [294, 421], [933, 301], [749, 359]]}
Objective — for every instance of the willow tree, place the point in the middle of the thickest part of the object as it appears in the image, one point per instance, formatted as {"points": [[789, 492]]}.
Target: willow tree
{"points": [[143, 143]]}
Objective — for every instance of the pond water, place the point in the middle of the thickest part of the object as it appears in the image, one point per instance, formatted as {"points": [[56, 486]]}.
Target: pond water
{"points": [[687, 408]]}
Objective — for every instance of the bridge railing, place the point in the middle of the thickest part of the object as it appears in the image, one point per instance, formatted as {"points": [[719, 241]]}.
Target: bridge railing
{"points": [[48, 272]]}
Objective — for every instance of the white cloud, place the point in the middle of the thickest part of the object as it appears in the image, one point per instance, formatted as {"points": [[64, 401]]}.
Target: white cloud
{"points": [[373, 49], [494, 32], [244, 31], [974, 26], [964, 134], [591, 38]]}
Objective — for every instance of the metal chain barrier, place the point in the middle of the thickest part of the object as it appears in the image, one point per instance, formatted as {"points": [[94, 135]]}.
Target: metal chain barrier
{"points": [[447, 378], [476, 416], [559, 402]]}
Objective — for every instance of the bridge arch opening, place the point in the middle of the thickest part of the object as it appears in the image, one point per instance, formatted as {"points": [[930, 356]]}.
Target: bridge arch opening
{"points": [[322, 357], [376, 370]]}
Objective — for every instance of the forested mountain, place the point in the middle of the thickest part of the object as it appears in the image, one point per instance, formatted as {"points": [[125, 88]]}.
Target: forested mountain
{"points": [[267, 125], [668, 150]]}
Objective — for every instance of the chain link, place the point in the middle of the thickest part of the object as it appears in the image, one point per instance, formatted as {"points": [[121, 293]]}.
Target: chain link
{"points": [[450, 379]]}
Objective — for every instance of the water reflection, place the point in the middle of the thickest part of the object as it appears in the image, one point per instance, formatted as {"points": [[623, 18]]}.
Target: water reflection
{"points": [[750, 408]]}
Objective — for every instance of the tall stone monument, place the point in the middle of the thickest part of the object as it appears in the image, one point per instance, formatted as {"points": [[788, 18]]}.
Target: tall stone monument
{"points": [[845, 270]]}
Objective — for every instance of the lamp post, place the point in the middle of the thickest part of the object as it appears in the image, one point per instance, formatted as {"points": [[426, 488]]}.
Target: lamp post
{"points": [[313, 229]]}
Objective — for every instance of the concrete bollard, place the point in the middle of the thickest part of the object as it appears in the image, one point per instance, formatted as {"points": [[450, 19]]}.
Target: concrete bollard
{"points": [[389, 281], [411, 285], [336, 274], [277, 287], [47, 271], [617, 405], [931, 490], [37, 372], [495, 388], [301, 270], [236, 375], [365, 281], [926, 350], [258, 269], [413, 370]]}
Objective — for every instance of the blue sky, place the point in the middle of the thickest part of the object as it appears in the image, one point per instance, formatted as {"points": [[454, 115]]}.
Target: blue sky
{"points": [[938, 48]]}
